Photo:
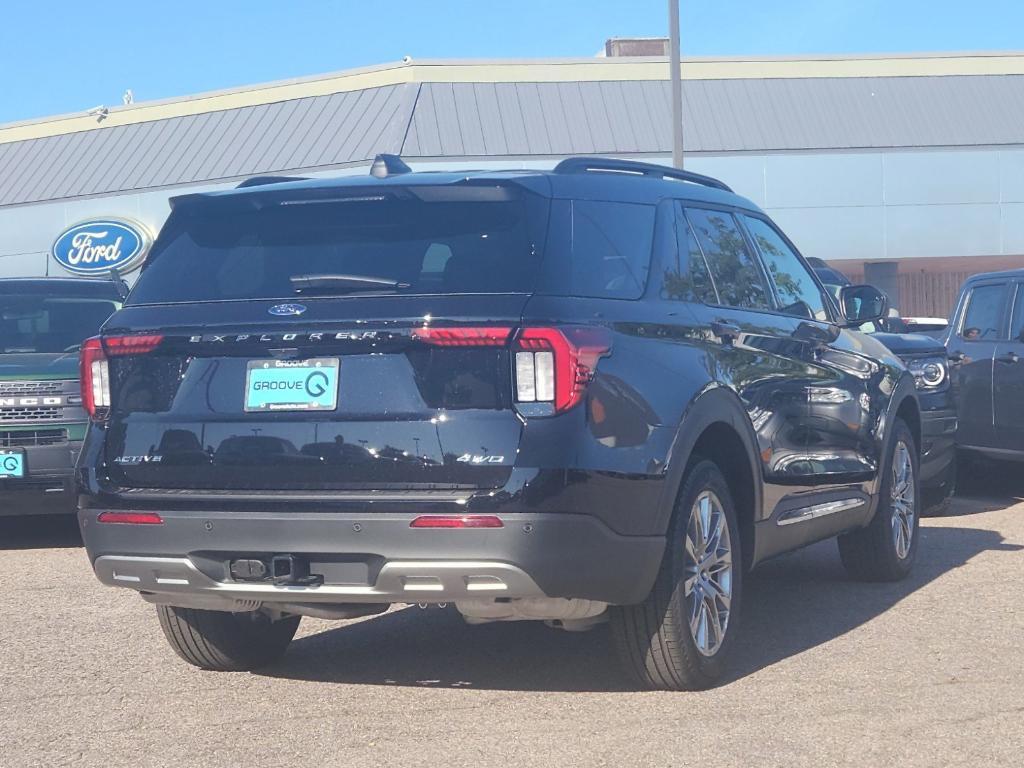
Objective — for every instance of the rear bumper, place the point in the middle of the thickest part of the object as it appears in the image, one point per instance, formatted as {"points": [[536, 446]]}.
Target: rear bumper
{"points": [[372, 558], [48, 488]]}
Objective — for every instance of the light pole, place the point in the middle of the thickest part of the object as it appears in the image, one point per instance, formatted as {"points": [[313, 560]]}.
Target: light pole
{"points": [[676, 79]]}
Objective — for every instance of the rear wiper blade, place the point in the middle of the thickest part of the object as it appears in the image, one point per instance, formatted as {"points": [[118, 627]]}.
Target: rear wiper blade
{"points": [[345, 283]]}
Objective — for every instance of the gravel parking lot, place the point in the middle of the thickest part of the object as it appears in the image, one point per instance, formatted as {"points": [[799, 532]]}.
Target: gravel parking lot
{"points": [[926, 672]]}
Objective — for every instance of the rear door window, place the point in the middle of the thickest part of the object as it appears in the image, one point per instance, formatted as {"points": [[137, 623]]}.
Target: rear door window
{"points": [[416, 240], [983, 320], [734, 269], [598, 249]]}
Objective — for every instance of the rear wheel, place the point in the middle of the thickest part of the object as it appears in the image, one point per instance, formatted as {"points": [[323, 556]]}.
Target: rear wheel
{"points": [[226, 642], [887, 548], [679, 637]]}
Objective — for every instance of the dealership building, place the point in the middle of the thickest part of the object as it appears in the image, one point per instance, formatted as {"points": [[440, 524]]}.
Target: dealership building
{"points": [[906, 171]]}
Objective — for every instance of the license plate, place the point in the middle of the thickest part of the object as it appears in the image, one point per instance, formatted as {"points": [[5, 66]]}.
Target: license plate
{"points": [[292, 385], [12, 463]]}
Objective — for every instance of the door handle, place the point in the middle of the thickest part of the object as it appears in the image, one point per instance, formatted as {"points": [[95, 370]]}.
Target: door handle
{"points": [[1009, 357], [724, 329]]}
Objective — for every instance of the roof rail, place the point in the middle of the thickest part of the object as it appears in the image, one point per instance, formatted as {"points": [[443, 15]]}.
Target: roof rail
{"points": [[614, 165], [259, 181]]}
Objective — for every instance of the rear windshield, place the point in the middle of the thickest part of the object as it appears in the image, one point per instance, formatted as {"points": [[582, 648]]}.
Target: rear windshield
{"points": [[416, 240], [31, 323]]}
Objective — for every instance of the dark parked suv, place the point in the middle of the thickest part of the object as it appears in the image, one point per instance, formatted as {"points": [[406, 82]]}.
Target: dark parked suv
{"points": [[603, 392], [985, 342], [43, 321]]}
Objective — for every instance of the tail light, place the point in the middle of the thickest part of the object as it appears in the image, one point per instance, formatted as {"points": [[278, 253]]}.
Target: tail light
{"points": [[553, 366], [94, 377], [95, 370], [463, 336]]}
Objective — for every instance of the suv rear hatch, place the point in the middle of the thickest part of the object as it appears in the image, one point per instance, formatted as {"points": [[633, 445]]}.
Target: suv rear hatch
{"points": [[317, 339]]}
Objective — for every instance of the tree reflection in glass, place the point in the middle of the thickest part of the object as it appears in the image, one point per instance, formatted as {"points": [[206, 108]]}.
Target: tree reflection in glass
{"points": [[736, 275]]}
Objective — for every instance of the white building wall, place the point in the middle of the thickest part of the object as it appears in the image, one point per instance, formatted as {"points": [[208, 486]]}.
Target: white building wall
{"points": [[849, 205], [893, 205]]}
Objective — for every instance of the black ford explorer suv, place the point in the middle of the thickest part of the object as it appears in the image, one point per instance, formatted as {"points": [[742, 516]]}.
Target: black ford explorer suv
{"points": [[43, 321], [600, 392]]}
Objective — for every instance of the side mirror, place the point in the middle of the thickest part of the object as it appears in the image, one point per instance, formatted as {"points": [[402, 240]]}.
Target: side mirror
{"points": [[862, 304]]}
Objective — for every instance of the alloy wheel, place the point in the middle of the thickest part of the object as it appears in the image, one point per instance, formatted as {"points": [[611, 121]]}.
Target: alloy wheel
{"points": [[709, 571], [904, 506]]}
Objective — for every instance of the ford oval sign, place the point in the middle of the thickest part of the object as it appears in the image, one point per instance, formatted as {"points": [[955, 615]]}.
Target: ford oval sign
{"points": [[95, 247], [287, 310]]}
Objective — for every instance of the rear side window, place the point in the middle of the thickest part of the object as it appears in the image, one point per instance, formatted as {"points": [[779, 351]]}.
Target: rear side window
{"points": [[425, 240], [983, 319], [734, 269], [686, 276], [598, 249]]}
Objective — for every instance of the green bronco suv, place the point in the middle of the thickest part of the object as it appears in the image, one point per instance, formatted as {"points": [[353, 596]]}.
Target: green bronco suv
{"points": [[42, 323]]}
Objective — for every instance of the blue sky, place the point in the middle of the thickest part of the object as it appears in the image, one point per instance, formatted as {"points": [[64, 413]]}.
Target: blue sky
{"points": [[67, 55]]}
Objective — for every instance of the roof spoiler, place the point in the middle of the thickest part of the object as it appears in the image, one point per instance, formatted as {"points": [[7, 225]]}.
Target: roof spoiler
{"points": [[255, 181], [259, 181]]}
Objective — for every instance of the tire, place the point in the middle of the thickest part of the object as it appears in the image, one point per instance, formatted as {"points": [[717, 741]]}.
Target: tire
{"points": [[877, 553], [654, 638], [226, 642]]}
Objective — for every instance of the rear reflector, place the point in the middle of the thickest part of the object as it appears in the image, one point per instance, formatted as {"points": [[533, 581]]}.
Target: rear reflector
{"points": [[463, 336], [457, 521], [130, 518]]}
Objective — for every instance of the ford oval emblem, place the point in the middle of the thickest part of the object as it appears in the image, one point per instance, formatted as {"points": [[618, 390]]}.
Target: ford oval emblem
{"points": [[287, 310], [96, 246]]}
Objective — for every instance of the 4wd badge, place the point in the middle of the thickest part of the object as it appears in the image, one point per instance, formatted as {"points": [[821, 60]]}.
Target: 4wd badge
{"points": [[472, 458]]}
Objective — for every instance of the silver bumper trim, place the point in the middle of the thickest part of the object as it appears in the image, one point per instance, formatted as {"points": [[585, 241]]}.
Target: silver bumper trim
{"points": [[815, 511], [435, 581], [361, 497]]}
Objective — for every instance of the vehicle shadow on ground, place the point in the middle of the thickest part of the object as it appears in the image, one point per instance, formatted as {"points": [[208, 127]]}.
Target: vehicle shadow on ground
{"points": [[792, 604], [39, 532], [805, 599], [987, 485]]}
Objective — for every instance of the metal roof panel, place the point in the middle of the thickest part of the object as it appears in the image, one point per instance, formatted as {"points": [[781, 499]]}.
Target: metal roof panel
{"points": [[517, 119]]}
